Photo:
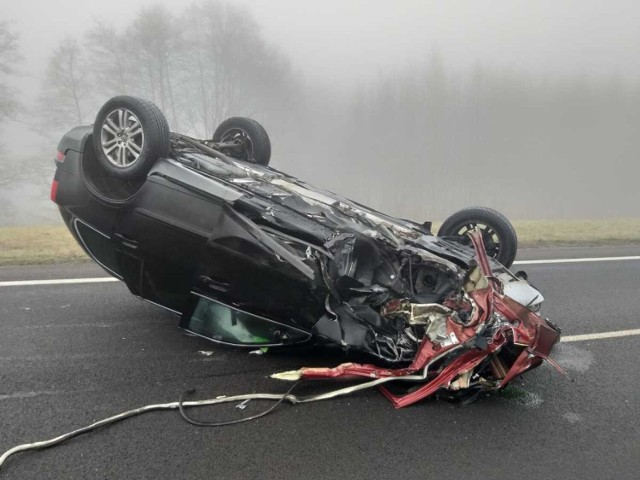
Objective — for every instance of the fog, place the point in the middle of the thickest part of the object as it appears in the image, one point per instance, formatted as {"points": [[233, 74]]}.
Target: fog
{"points": [[417, 108]]}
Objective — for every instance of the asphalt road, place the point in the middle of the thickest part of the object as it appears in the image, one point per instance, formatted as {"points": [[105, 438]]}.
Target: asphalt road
{"points": [[73, 354]]}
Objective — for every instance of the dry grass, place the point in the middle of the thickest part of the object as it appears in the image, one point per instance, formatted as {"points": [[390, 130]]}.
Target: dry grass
{"points": [[540, 233], [40, 245], [578, 232]]}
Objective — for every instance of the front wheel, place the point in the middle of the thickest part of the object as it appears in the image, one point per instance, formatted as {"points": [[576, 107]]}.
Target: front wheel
{"points": [[498, 234]]}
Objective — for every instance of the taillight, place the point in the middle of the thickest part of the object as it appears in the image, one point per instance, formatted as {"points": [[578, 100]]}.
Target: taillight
{"points": [[54, 190], [60, 157]]}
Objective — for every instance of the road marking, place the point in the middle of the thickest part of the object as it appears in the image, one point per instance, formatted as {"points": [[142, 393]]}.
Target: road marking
{"points": [[59, 281], [575, 260], [67, 281], [599, 336]]}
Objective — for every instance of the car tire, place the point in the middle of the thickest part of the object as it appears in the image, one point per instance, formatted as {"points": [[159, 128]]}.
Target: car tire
{"points": [[129, 135], [251, 133], [501, 241]]}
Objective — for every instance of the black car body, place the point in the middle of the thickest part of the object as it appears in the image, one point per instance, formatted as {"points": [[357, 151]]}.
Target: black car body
{"points": [[248, 255]]}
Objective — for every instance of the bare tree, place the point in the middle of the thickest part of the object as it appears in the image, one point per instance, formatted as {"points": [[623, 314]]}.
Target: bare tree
{"points": [[109, 59], [209, 63], [155, 43], [230, 67], [9, 56], [26, 169], [66, 89]]}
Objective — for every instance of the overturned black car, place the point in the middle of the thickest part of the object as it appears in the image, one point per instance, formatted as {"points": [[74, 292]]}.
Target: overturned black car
{"points": [[250, 256]]}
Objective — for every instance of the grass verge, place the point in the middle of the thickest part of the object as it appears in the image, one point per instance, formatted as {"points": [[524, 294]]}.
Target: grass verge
{"points": [[548, 233], [616, 231], [38, 245], [54, 244]]}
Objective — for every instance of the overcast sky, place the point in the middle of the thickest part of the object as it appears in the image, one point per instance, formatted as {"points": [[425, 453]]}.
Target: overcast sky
{"points": [[344, 42], [339, 40]]}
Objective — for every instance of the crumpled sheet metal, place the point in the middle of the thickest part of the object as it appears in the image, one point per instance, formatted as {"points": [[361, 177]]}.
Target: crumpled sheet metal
{"points": [[496, 321]]}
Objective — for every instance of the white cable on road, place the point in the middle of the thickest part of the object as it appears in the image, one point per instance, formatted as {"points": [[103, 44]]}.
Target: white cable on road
{"points": [[576, 260], [288, 397], [599, 336]]}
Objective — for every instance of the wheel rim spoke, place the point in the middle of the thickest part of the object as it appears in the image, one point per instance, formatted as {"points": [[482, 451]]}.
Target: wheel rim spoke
{"points": [[113, 125], [122, 138], [490, 236], [133, 148], [121, 156], [110, 149], [134, 129], [110, 130]]}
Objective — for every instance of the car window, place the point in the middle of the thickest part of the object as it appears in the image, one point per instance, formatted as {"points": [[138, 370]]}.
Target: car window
{"points": [[222, 323]]}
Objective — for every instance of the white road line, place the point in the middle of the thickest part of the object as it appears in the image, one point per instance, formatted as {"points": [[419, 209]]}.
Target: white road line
{"points": [[63, 281], [21, 283], [599, 336], [575, 260], [564, 338]]}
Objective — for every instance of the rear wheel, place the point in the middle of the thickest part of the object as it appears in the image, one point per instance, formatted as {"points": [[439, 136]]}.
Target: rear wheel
{"points": [[129, 135], [498, 234], [245, 139]]}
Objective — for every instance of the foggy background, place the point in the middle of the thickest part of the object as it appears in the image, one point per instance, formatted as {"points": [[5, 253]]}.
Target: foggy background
{"points": [[416, 108]]}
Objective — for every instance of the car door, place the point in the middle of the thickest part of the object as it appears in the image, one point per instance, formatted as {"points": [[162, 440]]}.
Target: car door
{"points": [[162, 236]]}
